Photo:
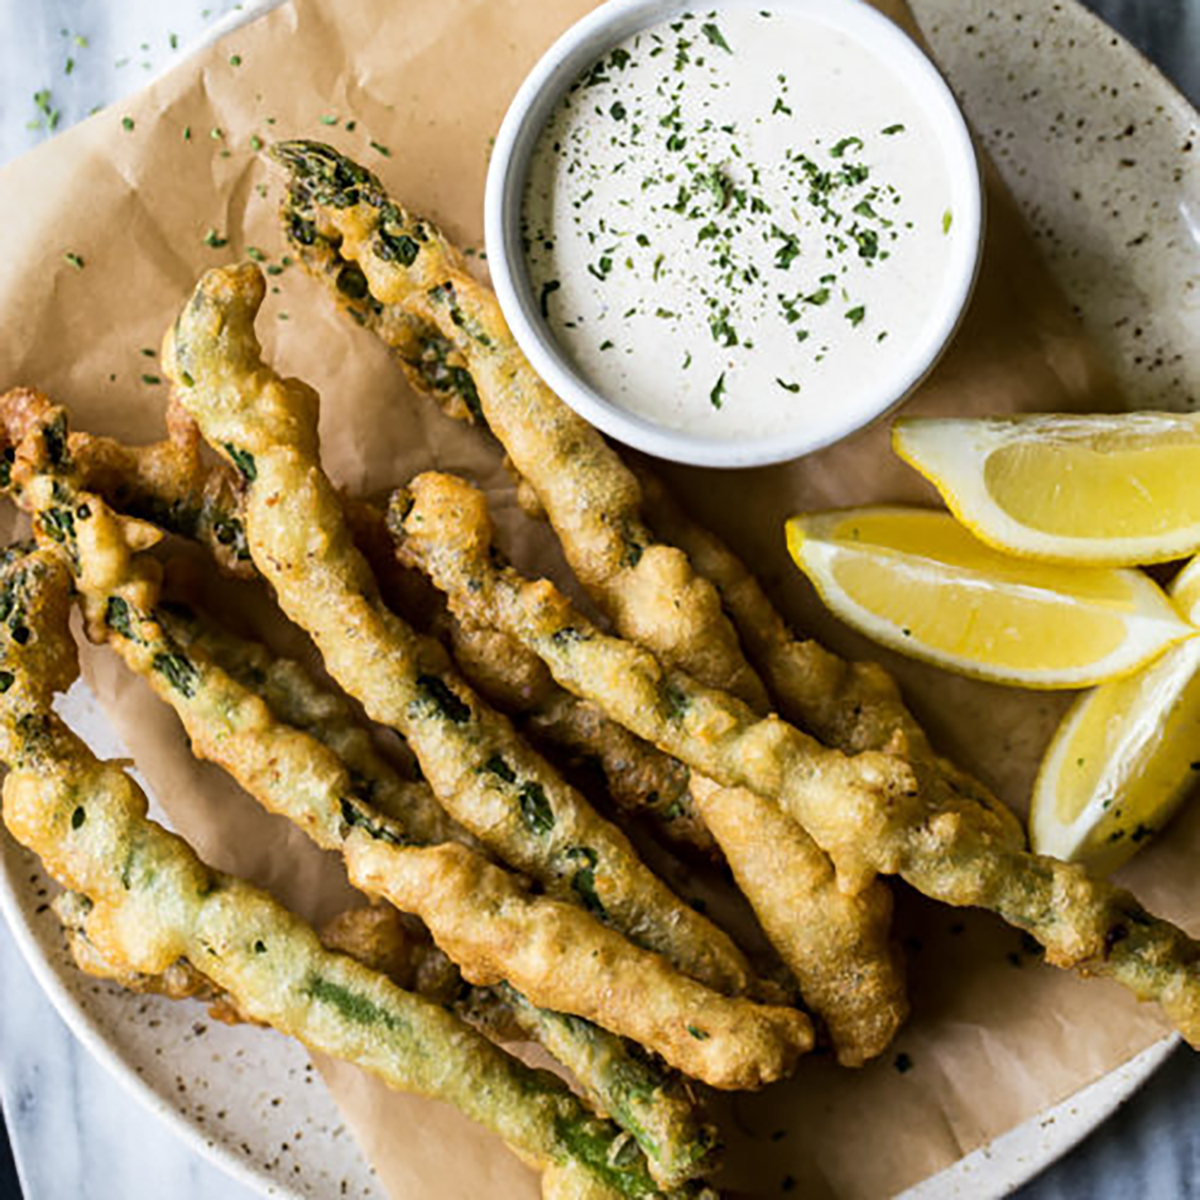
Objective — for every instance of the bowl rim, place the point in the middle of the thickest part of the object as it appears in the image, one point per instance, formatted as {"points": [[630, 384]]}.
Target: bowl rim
{"points": [[528, 111]]}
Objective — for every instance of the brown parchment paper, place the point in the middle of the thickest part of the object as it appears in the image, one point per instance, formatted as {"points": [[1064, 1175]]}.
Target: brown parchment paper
{"points": [[995, 1037]]}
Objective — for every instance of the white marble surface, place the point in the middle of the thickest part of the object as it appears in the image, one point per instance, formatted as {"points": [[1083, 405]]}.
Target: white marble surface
{"points": [[77, 1134]]}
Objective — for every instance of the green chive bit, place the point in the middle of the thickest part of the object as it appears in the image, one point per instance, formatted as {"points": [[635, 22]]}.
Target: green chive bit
{"points": [[127, 124], [855, 315], [173, 41], [235, 60], [328, 119], [151, 380], [81, 41], [214, 239], [70, 66], [947, 221], [256, 143], [379, 148], [718, 391], [255, 254], [187, 133], [74, 259], [216, 133]]}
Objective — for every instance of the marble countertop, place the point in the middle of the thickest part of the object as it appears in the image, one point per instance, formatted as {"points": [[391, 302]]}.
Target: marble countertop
{"points": [[75, 1132]]}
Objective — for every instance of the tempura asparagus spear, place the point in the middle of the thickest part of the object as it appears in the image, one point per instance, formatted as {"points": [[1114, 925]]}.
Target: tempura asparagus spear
{"points": [[616, 1081], [405, 262], [478, 767], [153, 903], [401, 277], [168, 484], [617, 1078], [950, 847], [556, 954], [850, 706]]}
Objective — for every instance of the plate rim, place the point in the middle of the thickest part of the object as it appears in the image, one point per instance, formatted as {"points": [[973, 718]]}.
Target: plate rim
{"points": [[1105, 1095]]}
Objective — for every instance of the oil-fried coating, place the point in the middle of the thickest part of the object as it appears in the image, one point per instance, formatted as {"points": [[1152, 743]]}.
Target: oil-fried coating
{"points": [[169, 484], [850, 706], [639, 778], [852, 987], [616, 1080], [948, 846], [478, 767], [393, 272], [406, 263], [154, 903], [557, 954]]}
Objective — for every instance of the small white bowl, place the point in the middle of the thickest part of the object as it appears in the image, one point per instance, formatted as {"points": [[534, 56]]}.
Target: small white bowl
{"points": [[535, 101]]}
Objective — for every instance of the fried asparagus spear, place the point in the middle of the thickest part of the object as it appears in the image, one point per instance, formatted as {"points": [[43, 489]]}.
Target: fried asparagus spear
{"points": [[170, 485], [557, 954], [153, 903], [850, 706], [407, 265], [616, 1081], [478, 767], [491, 781], [399, 276], [948, 846]]}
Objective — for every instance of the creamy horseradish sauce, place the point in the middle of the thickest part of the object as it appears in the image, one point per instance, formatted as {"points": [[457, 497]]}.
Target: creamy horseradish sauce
{"points": [[734, 218]]}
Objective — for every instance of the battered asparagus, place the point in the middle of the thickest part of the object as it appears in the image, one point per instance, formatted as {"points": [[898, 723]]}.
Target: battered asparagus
{"points": [[168, 484], [398, 275], [556, 954], [850, 706], [947, 845], [644, 1101], [476, 764], [154, 903]]}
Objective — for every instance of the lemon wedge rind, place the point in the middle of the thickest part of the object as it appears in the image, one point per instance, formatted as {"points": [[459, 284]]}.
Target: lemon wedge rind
{"points": [[1123, 759], [1103, 490], [1185, 591], [869, 568]]}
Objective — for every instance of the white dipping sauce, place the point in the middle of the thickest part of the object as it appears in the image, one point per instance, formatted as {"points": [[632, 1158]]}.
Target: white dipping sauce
{"points": [[734, 219]]}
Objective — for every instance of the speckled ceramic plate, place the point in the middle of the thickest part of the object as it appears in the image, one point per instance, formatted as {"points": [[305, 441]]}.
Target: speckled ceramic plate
{"points": [[1098, 149]]}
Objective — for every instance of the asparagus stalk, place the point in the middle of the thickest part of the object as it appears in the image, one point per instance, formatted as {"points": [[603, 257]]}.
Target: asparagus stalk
{"points": [[866, 811], [401, 277], [154, 903], [476, 764], [555, 953]]}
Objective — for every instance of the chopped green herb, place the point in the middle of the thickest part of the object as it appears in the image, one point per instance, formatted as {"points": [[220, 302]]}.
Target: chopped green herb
{"points": [[847, 143], [214, 239], [74, 259], [891, 130], [855, 315], [256, 143], [244, 461], [701, 1035], [788, 387], [717, 391], [947, 221], [714, 35], [328, 119], [152, 380], [235, 60], [380, 148]]}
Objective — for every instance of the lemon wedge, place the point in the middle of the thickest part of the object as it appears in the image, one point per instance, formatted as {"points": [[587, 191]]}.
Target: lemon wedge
{"points": [[1109, 490], [1124, 758], [1185, 591], [917, 581]]}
